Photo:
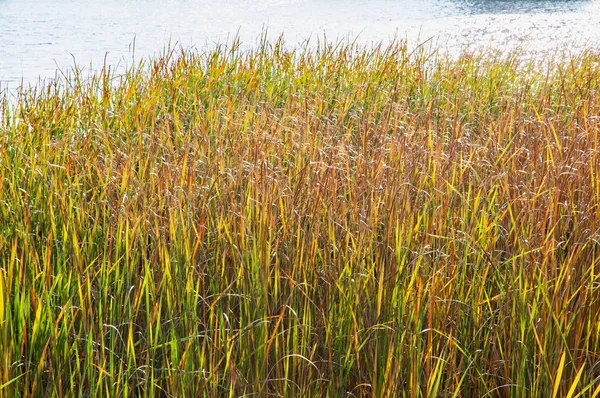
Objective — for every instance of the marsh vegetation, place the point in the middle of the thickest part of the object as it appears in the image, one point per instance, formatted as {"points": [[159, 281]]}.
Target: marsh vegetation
{"points": [[335, 220]]}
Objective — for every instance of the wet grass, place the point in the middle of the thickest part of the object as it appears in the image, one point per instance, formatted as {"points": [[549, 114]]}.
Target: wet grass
{"points": [[331, 221]]}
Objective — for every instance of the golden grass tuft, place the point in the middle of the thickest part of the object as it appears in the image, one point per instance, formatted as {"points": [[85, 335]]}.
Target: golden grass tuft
{"points": [[326, 221]]}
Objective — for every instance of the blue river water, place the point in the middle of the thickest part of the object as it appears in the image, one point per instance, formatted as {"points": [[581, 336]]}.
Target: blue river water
{"points": [[40, 37]]}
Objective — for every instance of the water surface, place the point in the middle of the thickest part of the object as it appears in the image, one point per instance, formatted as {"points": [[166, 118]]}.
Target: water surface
{"points": [[37, 37]]}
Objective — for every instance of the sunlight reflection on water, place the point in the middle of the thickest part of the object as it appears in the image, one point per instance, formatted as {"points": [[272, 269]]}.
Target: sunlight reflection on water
{"points": [[39, 36]]}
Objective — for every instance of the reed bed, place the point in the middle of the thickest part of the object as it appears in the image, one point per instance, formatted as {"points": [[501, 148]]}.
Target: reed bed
{"points": [[337, 220]]}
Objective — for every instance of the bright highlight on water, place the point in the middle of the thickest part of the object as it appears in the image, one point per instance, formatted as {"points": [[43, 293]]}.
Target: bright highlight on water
{"points": [[36, 36]]}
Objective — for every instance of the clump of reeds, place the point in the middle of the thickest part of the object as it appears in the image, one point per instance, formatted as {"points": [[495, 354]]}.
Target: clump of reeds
{"points": [[329, 221]]}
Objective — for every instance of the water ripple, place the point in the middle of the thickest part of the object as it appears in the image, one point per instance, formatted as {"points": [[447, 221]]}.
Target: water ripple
{"points": [[36, 36]]}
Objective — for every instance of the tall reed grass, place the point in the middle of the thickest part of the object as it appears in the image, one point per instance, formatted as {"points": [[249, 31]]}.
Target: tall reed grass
{"points": [[326, 221]]}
